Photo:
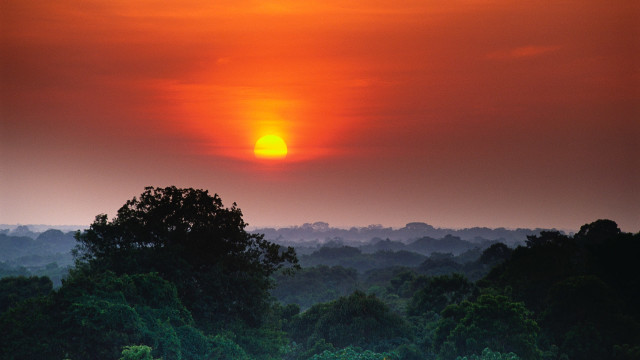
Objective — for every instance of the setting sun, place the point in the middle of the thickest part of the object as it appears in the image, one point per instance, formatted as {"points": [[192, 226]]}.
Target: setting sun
{"points": [[270, 147]]}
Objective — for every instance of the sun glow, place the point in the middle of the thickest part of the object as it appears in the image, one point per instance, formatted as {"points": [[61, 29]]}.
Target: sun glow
{"points": [[270, 147]]}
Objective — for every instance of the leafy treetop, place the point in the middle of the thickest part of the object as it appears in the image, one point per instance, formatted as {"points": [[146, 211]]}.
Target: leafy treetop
{"points": [[188, 237]]}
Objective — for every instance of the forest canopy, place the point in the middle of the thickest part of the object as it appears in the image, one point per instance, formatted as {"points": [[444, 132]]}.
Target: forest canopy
{"points": [[175, 275]]}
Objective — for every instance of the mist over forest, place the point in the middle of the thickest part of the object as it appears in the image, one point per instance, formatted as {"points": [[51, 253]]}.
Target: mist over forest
{"points": [[177, 275], [320, 233], [46, 249]]}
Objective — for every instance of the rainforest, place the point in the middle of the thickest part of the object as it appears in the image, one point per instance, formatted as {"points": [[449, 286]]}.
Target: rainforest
{"points": [[176, 275]]}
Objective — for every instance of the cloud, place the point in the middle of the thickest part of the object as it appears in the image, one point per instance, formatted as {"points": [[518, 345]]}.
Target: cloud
{"points": [[521, 52]]}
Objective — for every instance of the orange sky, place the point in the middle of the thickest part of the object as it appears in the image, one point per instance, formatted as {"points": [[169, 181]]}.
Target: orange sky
{"points": [[456, 113]]}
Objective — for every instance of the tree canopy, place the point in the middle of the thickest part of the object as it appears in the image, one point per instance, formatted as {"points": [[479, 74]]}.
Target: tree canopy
{"points": [[189, 238], [358, 319], [175, 276], [492, 321]]}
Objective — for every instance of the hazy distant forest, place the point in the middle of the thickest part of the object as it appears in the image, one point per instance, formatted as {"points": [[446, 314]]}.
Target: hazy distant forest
{"points": [[177, 275]]}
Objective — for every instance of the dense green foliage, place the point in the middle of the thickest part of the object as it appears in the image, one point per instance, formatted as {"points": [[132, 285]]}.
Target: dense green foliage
{"points": [[105, 312], [175, 276], [487, 354], [438, 292], [492, 321], [136, 352], [349, 353], [357, 320], [189, 238], [13, 290], [584, 289]]}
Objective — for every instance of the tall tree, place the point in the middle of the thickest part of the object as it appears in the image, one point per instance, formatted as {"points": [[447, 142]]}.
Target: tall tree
{"points": [[189, 238]]}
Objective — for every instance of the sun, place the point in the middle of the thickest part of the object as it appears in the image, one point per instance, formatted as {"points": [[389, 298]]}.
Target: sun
{"points": [[270, 147]]}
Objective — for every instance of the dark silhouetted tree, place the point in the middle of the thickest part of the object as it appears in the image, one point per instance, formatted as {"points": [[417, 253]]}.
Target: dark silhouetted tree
{"points": [[495, 254], [189, 238]]}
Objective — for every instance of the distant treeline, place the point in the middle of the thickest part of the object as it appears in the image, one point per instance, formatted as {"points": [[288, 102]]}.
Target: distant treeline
{"points": [[318, 233], [26, 253]]}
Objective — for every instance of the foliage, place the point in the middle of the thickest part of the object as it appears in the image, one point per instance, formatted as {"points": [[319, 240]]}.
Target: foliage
{"points": [[626, 352], [440, 264], [496, 254], [175, 276], [136, 352], [266, 342], [351, 353], [487, 354], [405, 283], [357, 320], [226, 349], [189, 238], [30, 330], [584, 318], [394, 286], [585, 289], [491, 321], [531, 271], [16, 289], [439, 292], [94, 316]]}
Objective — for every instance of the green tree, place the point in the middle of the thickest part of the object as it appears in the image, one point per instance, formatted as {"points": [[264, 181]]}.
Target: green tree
{"points": [[584, 289], [93, 316], [598, 232], [493, 321], [495, 254], [584, 318], [136, 352], [439, 292], [105, 312], [487, 354], [356, 320], [16, 289], [226, 349], [351, 353], [531, 271], [189, 238], [546, 238], [30, 330]]}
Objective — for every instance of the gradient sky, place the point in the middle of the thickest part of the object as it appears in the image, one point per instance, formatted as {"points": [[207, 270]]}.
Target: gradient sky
{"points": [[458, 113]]}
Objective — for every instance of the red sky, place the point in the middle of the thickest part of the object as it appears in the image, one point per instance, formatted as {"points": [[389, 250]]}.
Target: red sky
{"points": [[457, 113]]}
